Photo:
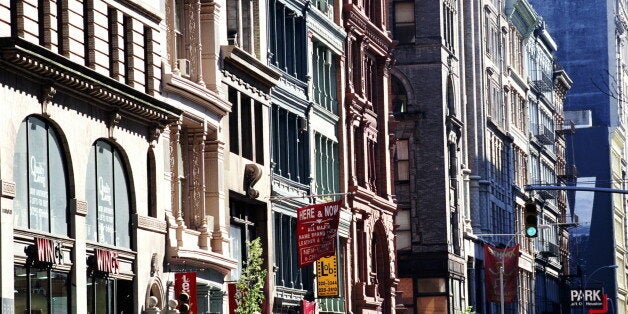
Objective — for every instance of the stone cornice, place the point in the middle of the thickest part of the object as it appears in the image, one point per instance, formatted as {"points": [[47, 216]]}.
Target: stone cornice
{"points": [[245, 62], [43, 65], [208, 99], [356, 22]]}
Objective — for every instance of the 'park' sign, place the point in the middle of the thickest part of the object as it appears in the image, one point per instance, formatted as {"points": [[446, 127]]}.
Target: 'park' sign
{"points": [[592, 298]]}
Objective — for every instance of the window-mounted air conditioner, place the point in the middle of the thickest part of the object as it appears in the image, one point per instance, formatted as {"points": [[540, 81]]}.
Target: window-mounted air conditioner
{"points": [[184, 67]]}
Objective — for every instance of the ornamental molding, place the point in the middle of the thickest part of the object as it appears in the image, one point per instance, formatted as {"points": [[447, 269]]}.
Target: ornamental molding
{"points": [[78, 207], [42, 65], [150, 224], [7, 189]]}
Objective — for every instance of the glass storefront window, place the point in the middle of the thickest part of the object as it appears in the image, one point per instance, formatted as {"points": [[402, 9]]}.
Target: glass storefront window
{"points": [[109, 295], [41, 201], [40, 291], [107, 193]]}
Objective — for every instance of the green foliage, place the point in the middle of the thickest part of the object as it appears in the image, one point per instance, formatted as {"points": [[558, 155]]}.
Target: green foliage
{"points": [[250, 286], [468, 310]]}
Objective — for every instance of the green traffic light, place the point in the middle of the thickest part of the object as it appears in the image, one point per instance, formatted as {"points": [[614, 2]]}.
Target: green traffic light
{"points": [[531, 231]]}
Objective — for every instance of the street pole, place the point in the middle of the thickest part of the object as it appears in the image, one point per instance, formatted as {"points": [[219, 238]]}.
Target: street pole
{"points": [[501, 284]]}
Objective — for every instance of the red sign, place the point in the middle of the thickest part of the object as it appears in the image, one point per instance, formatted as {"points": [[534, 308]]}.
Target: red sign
{"points": [[494, 259], [185, 291], [317, 228], [604, 308], [308, 307], [231, 291], [107, 261], [48, 251]]}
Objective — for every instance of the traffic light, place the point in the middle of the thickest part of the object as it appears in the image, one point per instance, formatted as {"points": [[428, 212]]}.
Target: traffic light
{"points": [[530, 220], [184, 303]]}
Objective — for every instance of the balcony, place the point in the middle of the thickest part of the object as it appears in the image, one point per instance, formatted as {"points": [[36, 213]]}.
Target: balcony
{"points": [[548, 249], [543, 134], [570, 173], [543, 83]]}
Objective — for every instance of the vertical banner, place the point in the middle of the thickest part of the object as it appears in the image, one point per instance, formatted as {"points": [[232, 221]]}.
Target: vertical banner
{"points": [[327, 277], [317, 228], [308, 307], [185, 283], [231, 292], [494, 258]]}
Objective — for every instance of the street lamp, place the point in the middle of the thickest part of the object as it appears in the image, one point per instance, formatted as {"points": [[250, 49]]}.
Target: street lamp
{"points": [[586, 282]]}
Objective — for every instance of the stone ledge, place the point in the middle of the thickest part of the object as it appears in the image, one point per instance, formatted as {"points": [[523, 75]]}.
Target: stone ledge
{"points": [[150, 224]]}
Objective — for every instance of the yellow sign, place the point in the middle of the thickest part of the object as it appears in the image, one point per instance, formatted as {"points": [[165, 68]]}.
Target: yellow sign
{"points": [[327, 277]]}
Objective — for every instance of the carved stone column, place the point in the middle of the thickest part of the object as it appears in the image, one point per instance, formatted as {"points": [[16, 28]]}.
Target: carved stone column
{"points": [[175, 145], [215, 195], [210, 44], [196, 186], [194, 40]]}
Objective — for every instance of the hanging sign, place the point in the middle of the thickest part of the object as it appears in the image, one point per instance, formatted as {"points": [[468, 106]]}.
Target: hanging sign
{"points": [[317, 229], [185, 292], [327, 277], [498, 260]]}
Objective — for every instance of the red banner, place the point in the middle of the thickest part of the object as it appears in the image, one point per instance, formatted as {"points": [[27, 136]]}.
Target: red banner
{"points": [[185, 291], [308, 307], [494, 258], [317, 228]]}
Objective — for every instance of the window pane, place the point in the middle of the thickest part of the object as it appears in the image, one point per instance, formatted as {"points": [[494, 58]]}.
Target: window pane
{"points": [[246, 126], [58, 187], [104, 172], [404, 12], [124, 296], [38, 174], [403, 173], [90, 195], [20, 175], [402, 150], [122, 208], [59, 293], [40, 292], [236, 249], [21, 289]]}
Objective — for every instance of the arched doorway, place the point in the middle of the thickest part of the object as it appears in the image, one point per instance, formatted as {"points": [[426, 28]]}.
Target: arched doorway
{"points": [[381, 266]]}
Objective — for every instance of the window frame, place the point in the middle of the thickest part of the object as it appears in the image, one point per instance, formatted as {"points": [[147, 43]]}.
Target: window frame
{"points": [[51, 134], [94, 209]]}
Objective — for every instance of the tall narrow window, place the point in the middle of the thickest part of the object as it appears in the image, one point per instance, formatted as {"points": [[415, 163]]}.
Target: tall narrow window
{"points": [[246, 126], [41, 201], [107, 194], [404, 27], [151, 184], [403, 161]]}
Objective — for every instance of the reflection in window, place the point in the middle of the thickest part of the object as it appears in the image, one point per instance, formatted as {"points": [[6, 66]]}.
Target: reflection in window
{"points": [[404, 28], [108, 218], [109, 295], [49, 291], [41, 201]]}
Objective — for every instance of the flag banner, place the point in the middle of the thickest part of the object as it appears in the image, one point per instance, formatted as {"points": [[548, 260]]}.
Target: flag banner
{"points": [[317, 228], [308, 307], [493, 259]]}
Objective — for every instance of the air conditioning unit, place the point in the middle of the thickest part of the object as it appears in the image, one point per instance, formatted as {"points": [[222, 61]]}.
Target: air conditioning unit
{"points": [[184, 67]]}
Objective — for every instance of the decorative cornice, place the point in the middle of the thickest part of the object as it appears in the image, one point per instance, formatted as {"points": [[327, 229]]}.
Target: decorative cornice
{"points": [[7, 189], [244, 61], [176, 84], [150, 224], [43, 65]]}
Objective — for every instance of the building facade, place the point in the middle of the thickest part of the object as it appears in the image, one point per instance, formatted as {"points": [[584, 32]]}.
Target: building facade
{"points": [[83, 228], [594, 56], [430, 169]]}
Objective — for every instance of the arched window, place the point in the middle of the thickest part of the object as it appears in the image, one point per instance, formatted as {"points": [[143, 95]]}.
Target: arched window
{"points": [[39, 169], [399, 96], [107, 194]]}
